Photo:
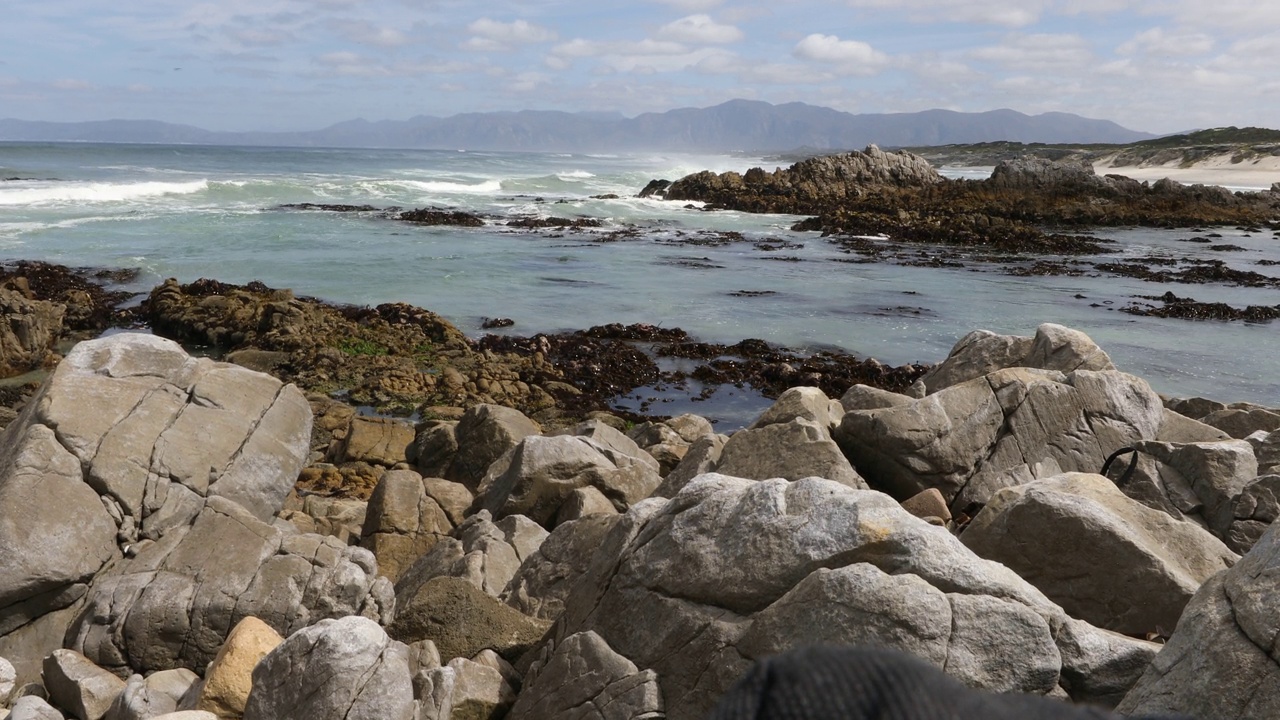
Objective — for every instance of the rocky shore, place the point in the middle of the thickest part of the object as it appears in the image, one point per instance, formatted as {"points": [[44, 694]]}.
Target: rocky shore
{"points": [[173, 549]]}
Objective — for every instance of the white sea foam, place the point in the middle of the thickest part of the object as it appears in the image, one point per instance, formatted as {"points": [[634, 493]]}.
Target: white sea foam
{"points": [[575, 175], [61, 193], [487, 187]]}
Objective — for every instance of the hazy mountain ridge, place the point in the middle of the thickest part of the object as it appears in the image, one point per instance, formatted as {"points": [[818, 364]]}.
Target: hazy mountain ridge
{"points": [[737, 125]]}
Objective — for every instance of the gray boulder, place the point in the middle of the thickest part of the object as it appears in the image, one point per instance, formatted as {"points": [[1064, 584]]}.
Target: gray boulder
{"points": [[1241, 422], [145, 698], [808, 403], [434, 446], [1009, 427], [8, 681], [1199, 481], [982, 352], [344, 669], [1107, 559], [1255, 509], [584, 679], [545, 578], [698, 587], [479, 551], [402, 522], [611, 443], [790, 449], [702, 457], [31, 707], [78, 686], [537, 476], [1221, 661], [461, 620], [173, 603], [29, 330], [484, 434], [865, 397]]}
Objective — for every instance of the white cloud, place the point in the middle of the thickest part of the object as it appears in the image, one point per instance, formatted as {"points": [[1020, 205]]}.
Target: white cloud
{"points": [[367, 33], [72, 84], [528, 82], [691, 5], [699, 30], [495, 36], [1007, 13], [1158, 42], [345, 63], [1041, 51], [850, 56]]}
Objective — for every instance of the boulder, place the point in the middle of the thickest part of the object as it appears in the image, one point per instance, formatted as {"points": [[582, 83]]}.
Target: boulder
{"points": [[702, 457], [582, 502], [462, 620], [928, 504], [78, 686], [807, 403], [982, 352], [585, 678], [479, 691], [484, 434], [31, 707], [479, 551], [174, 603], [145, 698], [229, 678], [544, 579], [403, 522], [790, 449], [1255, 509], [344, 669], [537, 476], [1221, 660], [377, 441], [434, 446], [697, 587], [689, 427], [29, 330], [611, 443], [1198, 481], [1240, 423], [1011, 426], [1106, 559], [341, 518], [1267, 451], [8, 681], [865, 397]]}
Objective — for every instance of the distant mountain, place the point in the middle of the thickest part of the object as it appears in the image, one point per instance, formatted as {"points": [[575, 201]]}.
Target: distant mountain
{"points": [[734, 126]]}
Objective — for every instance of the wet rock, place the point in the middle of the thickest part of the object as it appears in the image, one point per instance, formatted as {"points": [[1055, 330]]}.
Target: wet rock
{"points": [[433, 216]]}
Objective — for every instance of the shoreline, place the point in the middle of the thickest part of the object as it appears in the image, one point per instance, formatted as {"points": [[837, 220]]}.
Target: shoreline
{"points": [[1259, 177]]}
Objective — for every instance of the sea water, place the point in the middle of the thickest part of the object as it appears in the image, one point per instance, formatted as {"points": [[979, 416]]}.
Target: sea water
{"points": [[190, 212]]}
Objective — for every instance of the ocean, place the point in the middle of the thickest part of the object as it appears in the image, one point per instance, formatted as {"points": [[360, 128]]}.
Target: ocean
{"points": [[190, 212]]}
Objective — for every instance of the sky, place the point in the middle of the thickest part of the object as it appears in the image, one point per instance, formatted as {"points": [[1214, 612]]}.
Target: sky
{"points": [[1157, 66]]}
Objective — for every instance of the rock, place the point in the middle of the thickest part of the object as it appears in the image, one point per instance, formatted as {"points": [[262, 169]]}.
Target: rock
{"points": [[1011, 426], [1196, 407], [1037, 173], [794, 449], [703, 457], [144, 698], [337, 517], [80, 687], [1267, 452], [537, 476], [484, 434], [345, 669], [585, 678], [229, 679], [478, 551], [462, 620], [544, 579], [31, 707], [186, 715], [1255, 509], [865, 397], [1219, 661], [434, 446], [1199, 481], [479, 691], [1099, 667], [1240, 423], [173, 603], [8, 681], [1106, 559], [377, 441], [28, 332], [403, 523], [582, 502], [808, 403], [690, 427], [1177, 428], [696, 588], [981, 353], [612, 443], [928, 504]]}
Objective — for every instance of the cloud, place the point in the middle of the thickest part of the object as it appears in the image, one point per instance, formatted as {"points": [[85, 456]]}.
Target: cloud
{"points": [[493, 36], [850, 56], [1040, 51], [1158, 42], [691, 5], [367, 33], [699, 30], [72, 85], [345, 63], [1007, 13], [527, 82]]}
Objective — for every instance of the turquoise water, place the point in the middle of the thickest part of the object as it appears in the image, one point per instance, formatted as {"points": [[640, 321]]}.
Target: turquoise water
{"points": [[190, 212]]}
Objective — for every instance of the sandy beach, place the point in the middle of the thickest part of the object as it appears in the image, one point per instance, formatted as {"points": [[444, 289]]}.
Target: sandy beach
{"points": [[1257, 174]]}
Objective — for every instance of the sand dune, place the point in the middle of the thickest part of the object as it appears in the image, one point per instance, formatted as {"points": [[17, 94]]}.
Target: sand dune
{"points": [[1254, 174]]}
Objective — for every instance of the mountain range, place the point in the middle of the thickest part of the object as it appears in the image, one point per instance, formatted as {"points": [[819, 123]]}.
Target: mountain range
{"points": [[734, 126]]}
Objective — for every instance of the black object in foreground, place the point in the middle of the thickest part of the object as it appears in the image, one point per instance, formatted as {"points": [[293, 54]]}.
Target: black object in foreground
{"points": [[856, 683]]}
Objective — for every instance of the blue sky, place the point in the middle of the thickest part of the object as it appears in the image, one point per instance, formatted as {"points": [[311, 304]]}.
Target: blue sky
{"points": [[304, 64]]}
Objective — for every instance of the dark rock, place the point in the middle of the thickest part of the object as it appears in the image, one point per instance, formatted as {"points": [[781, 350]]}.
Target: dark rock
{"points": [[434, 216]]}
